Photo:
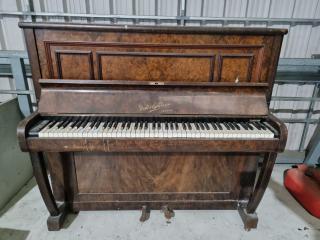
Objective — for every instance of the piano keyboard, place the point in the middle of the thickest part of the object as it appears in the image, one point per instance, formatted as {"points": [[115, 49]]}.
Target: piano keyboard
{"points": [[102, 127]]}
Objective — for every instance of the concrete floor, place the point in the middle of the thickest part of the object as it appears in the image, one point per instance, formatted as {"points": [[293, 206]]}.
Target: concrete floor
{"points": [[280, 217]]}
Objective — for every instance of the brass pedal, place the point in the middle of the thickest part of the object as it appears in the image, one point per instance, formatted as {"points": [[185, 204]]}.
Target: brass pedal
{"points": [[168, 212]]}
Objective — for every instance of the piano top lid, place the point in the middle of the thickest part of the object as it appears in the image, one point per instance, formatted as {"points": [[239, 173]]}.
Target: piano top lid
{"points": [[152, 99], [153, 29]]}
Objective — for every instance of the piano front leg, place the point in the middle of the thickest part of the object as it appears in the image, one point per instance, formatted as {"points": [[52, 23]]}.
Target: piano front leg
{"points": [[248, 215], [57, 214]]}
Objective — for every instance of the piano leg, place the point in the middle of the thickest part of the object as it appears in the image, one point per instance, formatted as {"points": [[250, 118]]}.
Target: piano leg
{"points": [[248, 215], [57, 214]]}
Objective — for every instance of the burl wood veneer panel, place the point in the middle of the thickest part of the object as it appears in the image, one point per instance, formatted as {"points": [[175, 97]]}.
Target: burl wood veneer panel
{"points": [[156, 67], [136, 173], [154, 57]]}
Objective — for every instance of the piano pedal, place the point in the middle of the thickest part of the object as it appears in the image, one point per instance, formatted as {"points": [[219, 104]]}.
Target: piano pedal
{"points": [[145, 214], [168, 212]]}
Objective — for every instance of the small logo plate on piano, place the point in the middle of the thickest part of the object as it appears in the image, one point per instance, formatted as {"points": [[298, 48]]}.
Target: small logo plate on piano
{"points": [[155, 107]]}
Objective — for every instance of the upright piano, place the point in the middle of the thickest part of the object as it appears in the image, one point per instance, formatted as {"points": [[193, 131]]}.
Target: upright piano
{"points": [[152, 117]]}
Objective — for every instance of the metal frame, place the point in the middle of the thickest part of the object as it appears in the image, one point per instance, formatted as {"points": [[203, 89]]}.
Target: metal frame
{"points": [[16, 61], [313, 149], [180, 19]]}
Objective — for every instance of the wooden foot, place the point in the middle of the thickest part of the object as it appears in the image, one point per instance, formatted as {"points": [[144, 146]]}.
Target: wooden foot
{"points": [[55, 223], [145, 215], [250, 220]]}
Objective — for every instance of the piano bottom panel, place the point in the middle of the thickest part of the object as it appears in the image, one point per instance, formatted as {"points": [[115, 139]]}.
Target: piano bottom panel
{"points": [[103, 180], [137, 205]]}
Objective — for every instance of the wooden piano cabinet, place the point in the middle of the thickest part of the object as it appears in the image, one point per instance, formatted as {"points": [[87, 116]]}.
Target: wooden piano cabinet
{"points": [[149, 71]]}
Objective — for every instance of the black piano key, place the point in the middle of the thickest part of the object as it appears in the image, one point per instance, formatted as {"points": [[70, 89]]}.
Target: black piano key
{"points": [[184, 126], [226, 125], [67, 122], [249, 126], [81, 122], [253, 124], [153, 125], [76, 121], [93, 121], [136, 125], [244, 125], [62, 120], [87, 121], [106, 121], [110, 124], [231, 126], [236, 125], [71, 121], [140, 125], [176, 126], [63, 124], [213, 125], [52, 123], [158, 125], [97, 124], [206, 125], [201, 126], [189, 126], [262, 126], [171, 126], [128, 125], [115, 125], [166, 126], [219, 125], [257, 125], [197, 126]]}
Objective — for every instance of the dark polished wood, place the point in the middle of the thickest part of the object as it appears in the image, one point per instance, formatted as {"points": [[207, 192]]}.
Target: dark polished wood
{"points": [[262, 182], [100, 70]]}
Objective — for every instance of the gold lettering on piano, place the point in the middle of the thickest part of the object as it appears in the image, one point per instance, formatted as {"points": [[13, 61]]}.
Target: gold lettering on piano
{"points": [[154, 107]]}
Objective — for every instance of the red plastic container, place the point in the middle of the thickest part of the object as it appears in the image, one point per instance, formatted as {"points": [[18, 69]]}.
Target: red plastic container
{"points": [[304, 184]]}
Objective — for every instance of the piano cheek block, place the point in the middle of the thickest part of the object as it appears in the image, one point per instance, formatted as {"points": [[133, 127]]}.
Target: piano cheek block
{"points": [[179, 121]]}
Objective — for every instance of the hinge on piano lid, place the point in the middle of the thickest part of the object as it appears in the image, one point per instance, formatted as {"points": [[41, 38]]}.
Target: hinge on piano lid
{"points": [[156, 83]]}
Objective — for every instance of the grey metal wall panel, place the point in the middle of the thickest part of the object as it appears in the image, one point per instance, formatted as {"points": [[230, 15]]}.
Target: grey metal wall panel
{"points": [[146, 7], [168, 7], [258, 8], [235, 8]]}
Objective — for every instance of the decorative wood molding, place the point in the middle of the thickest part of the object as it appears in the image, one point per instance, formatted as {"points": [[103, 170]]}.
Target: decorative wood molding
{"points": [[250, 58], [100, 54], [58, 54]]}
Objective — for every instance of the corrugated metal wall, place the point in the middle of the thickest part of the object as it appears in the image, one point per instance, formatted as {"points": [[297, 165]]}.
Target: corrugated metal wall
{"points": [[301, 42]]}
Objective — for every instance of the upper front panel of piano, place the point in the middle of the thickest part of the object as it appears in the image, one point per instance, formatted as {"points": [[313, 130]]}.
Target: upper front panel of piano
{"points": [[156, 54]]}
